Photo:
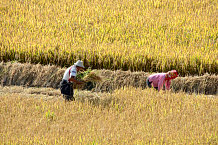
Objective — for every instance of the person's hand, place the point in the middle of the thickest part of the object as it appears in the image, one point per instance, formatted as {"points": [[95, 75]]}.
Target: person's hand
{"points": [[80, 82], [169, 90], [83, 82], [162, 92]]}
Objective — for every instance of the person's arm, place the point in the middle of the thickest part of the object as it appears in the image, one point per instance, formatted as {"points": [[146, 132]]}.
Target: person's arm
{"points": [[160, 83], [72, 79], [167, 84]]}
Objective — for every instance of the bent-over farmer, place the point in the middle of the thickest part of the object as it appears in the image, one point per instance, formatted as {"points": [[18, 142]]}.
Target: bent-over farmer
{"points": [[69, 78], [159, 79]]}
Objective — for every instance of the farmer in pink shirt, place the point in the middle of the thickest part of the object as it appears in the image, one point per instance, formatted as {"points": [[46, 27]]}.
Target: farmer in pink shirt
{"points": [[157, 80]]}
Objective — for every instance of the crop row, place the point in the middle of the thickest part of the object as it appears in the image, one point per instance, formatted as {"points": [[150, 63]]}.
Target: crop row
{"points": [[150, 35]]}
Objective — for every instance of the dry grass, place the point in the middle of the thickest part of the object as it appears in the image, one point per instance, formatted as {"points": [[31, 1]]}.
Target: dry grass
{"points": [[89, 78], [50, 76], [92, 77], [151, 35], [133, 116]]}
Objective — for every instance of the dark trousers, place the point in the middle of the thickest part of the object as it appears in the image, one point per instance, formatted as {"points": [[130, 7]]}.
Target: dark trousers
{"points": [[67, 90], [149, 84]]}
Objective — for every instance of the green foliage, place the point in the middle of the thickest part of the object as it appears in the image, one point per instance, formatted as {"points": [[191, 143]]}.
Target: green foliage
{"points": [[50, 115], [82, 74]]}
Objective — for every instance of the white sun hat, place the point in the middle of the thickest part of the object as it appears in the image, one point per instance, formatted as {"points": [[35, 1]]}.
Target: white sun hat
{"points": [[79, 63]]}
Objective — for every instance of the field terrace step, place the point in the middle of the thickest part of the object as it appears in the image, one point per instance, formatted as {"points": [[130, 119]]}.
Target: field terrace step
{"points": [[37, 75]]}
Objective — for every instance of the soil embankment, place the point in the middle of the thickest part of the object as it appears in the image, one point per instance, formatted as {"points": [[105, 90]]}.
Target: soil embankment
{"points": [[50, 76]]}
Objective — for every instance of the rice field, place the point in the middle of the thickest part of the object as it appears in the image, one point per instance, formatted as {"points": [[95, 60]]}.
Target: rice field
{"points": [[147, 35], [127, 116], [137, 35]]}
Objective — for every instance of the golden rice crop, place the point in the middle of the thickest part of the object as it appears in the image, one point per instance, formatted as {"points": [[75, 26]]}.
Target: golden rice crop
{"points": [[131, 116], [148, 35]]}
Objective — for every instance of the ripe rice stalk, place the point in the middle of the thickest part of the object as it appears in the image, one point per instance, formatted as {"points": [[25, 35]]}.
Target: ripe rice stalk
{"points": [[92, 77], [159, 29]]}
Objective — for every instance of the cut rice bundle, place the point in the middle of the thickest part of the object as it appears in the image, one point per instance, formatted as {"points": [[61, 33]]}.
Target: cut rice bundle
{"points": [[89, 77], [92, 77]]}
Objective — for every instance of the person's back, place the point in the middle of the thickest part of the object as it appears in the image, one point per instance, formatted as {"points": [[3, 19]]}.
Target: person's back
{"points": [[70, 70], [155, 78]]}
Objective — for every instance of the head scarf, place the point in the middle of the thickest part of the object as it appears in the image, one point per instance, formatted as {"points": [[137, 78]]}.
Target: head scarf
{"points": [[171, 75]]}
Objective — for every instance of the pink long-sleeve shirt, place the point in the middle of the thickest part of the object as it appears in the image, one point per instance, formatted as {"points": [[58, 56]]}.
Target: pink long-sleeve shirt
{"points": [[158, 80]]}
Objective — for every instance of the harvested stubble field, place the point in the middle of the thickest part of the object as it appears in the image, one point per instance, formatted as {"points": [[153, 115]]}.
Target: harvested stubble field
{"points": [[143, 36], [105, 115], [127, 116], [151, 35]]}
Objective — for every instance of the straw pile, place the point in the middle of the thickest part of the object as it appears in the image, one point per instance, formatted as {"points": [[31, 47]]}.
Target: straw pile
{"points": [[92, 77], [87, 78], [97, 80]]}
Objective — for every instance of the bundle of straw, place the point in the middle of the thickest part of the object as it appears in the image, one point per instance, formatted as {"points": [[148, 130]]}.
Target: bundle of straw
{"points": [[92, 77], [89, 77]]}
